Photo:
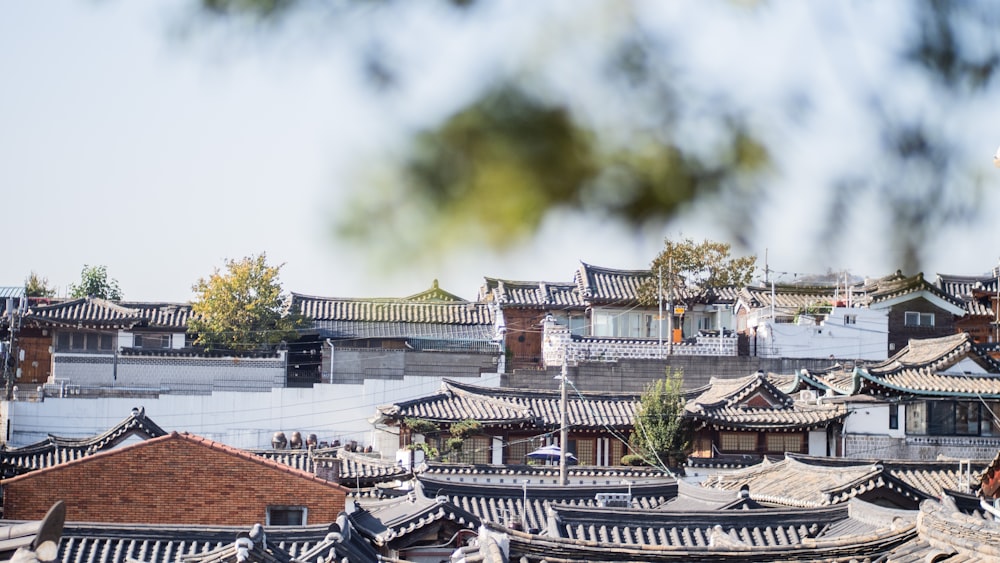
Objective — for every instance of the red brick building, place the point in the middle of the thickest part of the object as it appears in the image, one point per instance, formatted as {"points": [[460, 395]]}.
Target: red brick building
{"points": [[176, 479]]}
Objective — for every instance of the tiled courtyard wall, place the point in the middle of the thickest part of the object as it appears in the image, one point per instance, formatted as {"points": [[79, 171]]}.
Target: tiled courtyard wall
{"points": [[920, 447], [558, 346]]}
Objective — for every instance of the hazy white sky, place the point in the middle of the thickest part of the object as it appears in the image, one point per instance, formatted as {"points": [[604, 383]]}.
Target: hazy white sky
{"points": [[124, 144]]}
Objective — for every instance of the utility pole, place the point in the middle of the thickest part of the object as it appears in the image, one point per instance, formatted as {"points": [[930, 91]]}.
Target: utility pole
{"points": [[659, 300], [670, 314], [563, 429]]}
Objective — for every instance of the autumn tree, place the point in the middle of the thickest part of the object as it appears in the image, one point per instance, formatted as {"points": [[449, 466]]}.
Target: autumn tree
{"points": [[242, 308], [687, 270], [94, 282], [37, 286], [661, 436]]}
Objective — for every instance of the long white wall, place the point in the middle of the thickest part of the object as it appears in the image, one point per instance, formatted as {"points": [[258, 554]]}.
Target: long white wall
{"points": [[245, 420]]}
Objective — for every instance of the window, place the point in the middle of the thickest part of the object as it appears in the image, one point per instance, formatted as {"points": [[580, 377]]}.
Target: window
{"points": [[152, 341], [784, 442], [912, 318], [951, 418], [738, 441], [584, 451], [286, 516], [850, 319], [893, 417], [84, 342]]}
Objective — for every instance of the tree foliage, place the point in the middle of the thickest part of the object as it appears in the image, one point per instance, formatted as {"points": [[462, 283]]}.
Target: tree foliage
{"points": [[661, 435], [37, 286], [242, 308], [653, 133], [687, 269], [94, 282]]}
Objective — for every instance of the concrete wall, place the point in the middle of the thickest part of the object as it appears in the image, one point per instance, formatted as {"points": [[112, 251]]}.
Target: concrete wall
{"points": [[168, 374], [353, 365], [244, 420], [633, 375], [866, 338]]}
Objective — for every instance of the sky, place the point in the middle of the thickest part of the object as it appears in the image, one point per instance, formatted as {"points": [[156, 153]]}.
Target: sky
{"points": [[130, 138]]}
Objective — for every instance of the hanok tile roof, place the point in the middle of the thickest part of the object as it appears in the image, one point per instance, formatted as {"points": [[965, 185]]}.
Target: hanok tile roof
{"points": [[806, 481], [756, 529], [16, 291], [922, 369], [787, 298], [692, 497], [426, 316], [55, 450], [534, 294], [499, 405], [754, 402], [865, 532], [388, 522], [609, 286], [157, 543], [970, 289], [945, 534], [92, 312], [34, 541], [355, 469], [499, 502], [575, 473], [897, 285]]}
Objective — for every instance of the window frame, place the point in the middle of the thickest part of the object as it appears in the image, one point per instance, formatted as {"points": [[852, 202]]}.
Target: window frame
{"points": [[303, 511], [921, 320]]}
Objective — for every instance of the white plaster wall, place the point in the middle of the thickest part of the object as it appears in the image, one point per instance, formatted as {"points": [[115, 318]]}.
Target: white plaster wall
{"points": [[874, 420], [817, 442], [866, 339], [244, 420]]}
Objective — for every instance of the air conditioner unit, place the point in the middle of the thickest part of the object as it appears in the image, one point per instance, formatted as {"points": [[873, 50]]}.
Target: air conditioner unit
{"points": [[807, 396], [614, 500]]}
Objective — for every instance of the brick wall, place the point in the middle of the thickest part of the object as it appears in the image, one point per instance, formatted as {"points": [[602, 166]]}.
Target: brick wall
{"points": [[919, 448], [176, 479]]}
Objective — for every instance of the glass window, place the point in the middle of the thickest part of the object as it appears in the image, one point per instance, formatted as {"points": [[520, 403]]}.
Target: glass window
{"points": [[916, 418], [784, 442], [893, 417], [738, 441], [63, 341], [152, 341], [941, 418], [286, 516], [912, 318], [990, 422], [967, 418]]}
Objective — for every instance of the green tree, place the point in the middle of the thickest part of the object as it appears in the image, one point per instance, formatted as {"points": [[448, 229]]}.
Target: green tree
{"points": [[37, 286], [690, 269], [242, 308], [655, 131], [661, 435], [94, 282]]}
